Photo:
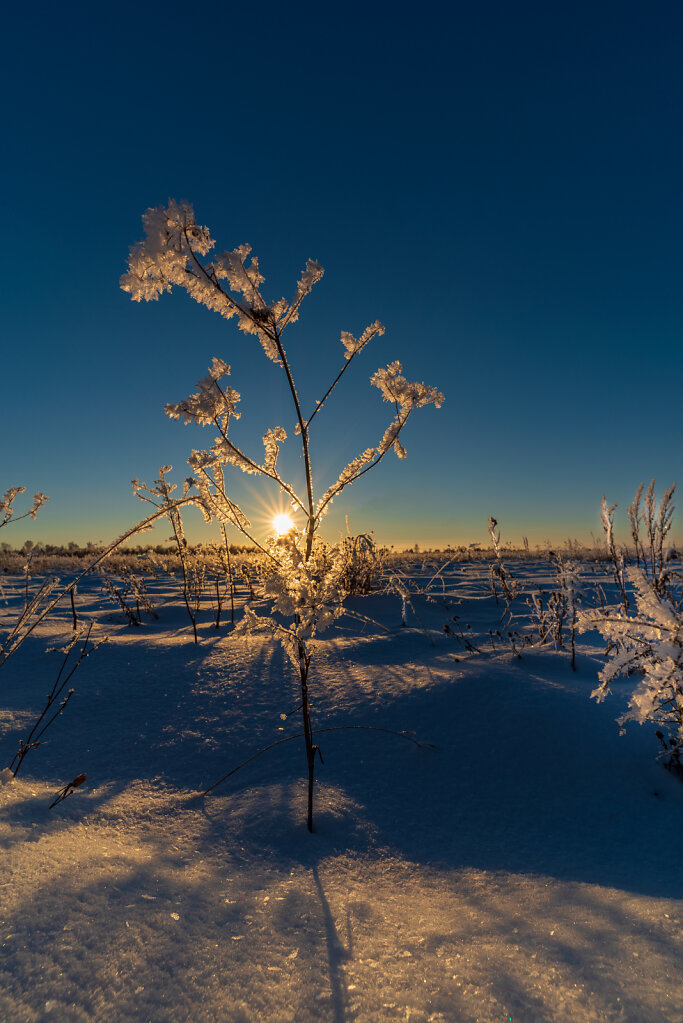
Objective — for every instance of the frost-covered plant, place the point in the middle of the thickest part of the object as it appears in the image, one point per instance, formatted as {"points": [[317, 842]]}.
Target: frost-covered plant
{"points": [[635, 519], [44, 601], [538, 603], [569, 582], [305, 583], [7, 515], [562, 605], [305, 593], [498, 570], [119, 595], [130, 593], [616, 557], [362, 561], [7, 505], [218, 565], [554, 612], [396, 583], [656, 520], [649, 644], [159, 496]]}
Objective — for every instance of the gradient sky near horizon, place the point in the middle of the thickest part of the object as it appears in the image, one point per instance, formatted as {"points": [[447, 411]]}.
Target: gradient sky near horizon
{"points": [[499, 183]]}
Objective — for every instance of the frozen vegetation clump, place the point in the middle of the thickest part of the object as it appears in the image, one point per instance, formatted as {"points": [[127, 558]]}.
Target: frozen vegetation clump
{"points": [[306, 580], [362, 564], [648, 643], [160, 496], [498, 571], [39, 605]]}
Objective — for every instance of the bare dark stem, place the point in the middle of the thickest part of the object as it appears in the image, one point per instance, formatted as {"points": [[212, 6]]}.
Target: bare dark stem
{"points": [[230, 578], [304, 666], [73, 609], [219, 603], [304, 445]]}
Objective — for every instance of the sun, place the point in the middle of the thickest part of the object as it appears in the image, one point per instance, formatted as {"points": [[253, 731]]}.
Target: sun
{"points": [[283, 524]]}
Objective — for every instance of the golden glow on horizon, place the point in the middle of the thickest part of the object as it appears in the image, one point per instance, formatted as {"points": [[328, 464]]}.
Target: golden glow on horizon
{"points": [[283, 524]]}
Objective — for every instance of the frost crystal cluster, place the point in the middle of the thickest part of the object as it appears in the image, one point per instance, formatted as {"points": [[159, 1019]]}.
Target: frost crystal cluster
{"points": [[306, 592], [7, 504]]}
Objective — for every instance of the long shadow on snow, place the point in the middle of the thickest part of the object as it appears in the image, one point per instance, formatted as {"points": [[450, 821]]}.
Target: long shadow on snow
{"points": [[151, 711], [135, 941], [531, 776], [133, 937]]}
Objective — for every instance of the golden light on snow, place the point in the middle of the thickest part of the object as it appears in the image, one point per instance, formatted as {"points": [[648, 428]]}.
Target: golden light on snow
{"points": [[282, 524]]}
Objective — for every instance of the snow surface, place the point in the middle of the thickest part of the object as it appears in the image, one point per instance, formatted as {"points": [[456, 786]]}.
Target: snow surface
{"points": [[528, 869]]}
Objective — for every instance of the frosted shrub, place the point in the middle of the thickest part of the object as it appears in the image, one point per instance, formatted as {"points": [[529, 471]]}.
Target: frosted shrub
{"points": [[362, 564], [656, 522], [616, 557], [160, 496], [304, 582], [647, 644], [554, 612], [128, 591], [498, 570], [307, 592]]}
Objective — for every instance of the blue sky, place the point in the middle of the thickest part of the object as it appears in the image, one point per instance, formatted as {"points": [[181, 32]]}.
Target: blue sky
{"points": [[499, 184]]}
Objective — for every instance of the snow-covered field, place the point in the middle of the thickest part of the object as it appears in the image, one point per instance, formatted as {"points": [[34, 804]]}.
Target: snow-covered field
{"points": [[528, 869]]}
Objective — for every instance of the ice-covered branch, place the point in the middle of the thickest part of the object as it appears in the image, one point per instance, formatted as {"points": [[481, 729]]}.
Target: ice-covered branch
{"points": [[210, 481], [348, 474], [271, 442], [405, 396], [211, 402], [395, 388], [215, 404], [310, 276], [353, 347], [7, 505]]}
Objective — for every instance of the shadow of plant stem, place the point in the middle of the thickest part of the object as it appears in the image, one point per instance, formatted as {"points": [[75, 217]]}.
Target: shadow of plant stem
{"points": [[318, 731], [337, 954]]}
